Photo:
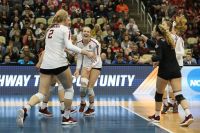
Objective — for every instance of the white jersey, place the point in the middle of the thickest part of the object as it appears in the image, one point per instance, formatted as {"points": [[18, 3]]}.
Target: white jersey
{"points": [[57, 39], [179, 49], [86, 62]]}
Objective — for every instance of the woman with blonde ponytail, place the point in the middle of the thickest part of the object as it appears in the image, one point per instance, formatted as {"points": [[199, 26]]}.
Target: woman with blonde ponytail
{"points": [[168, 72], [54, 63]]}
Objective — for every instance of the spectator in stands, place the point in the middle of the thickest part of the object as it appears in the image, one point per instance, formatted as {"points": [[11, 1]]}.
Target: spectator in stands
{"points": [[78, 24], [196, 52], [16, 21], [116, 48], [74, 9], [142, 49], [126, 18], [119, 59], [28, 13], [86, 7], [4, 19], [131, 51], [25, 61], [4, 6], [101, 13], [2, 51], [96, 6], [132, 27], [110, 36], [110, 54], [38, 6], [133, 59], [96, 29], [122, 7], [12, 51], [17, 39], [44, 12], [120, 32], [126, 42], [104, 47], [104, 59], [110, 9], [52, 4], [26, 52], [14, 30], [29, 39], [189, 60], [40, 37], [3, 31], [32, 24], [7, 60], [15, 13], [29, 3]]}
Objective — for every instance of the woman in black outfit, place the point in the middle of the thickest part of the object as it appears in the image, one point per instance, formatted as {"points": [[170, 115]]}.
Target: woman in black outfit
{"points": [[169, 71]]}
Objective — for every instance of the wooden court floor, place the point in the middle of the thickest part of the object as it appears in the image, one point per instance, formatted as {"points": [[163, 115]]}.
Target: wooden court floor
{"points": [[143, 108]]}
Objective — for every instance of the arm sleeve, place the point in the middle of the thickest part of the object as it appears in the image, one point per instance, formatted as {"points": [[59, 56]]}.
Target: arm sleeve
{"points": [[180, 48], [69, 45]]}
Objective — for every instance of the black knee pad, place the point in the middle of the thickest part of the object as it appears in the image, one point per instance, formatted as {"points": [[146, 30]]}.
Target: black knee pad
{"points": [[158, 97], [179, 98]]}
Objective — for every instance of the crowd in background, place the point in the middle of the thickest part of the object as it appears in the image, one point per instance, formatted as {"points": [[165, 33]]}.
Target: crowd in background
{"points": [[23, 24], [191, 10]]}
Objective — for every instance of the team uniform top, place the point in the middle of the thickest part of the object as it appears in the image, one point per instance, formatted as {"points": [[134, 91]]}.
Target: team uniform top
{"points": [[179, 48], [57, 39], [93, 46], [168, 65]]}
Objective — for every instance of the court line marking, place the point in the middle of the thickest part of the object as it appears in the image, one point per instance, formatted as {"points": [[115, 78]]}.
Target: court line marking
{"points": [[158, 125]]}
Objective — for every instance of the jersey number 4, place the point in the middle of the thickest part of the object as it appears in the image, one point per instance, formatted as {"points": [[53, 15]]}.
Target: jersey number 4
{"points": [[50, 33]]}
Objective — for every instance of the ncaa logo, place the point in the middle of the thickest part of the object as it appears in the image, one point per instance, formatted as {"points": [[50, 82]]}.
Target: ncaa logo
{"points": [[193, 80]]}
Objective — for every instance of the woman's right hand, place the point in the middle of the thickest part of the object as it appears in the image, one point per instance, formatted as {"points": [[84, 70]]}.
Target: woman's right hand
{"points": [[92, 56], [76, 73]]}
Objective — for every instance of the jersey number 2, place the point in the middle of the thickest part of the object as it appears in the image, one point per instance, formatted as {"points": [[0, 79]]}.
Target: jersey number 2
{"points": [[50, 33]]}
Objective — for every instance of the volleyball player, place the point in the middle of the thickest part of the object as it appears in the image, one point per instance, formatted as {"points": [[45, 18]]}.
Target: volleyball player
{"points": [[179, 49], [90, 70], [54, 63], [43, 107], [168, 71]]}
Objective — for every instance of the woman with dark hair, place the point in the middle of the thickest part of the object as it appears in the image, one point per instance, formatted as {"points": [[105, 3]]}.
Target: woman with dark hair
{"points": [[169, 71]]}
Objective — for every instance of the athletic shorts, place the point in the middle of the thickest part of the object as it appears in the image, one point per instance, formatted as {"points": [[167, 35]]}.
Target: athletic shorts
{"points": [[169, 76], [55, 71], [97, 69]]}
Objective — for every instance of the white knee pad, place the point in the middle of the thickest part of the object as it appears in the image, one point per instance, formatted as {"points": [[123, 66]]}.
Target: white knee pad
{"points": [[84, 82], [91, 92], [69, 93], [40, 96], [60, 87]]}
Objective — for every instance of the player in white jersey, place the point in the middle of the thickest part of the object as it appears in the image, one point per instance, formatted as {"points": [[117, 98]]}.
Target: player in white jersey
{"points": [[54, 63], [61, 92], [179, 49], [90, 70]]}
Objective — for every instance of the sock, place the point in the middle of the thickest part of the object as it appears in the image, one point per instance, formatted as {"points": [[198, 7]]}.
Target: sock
{"points": [[91, 106], [62, 106], [172, 101], [165, 102], [157, 113], [44, 105], [66, 114], [82, 99], [27, 107], [187, 112]]}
